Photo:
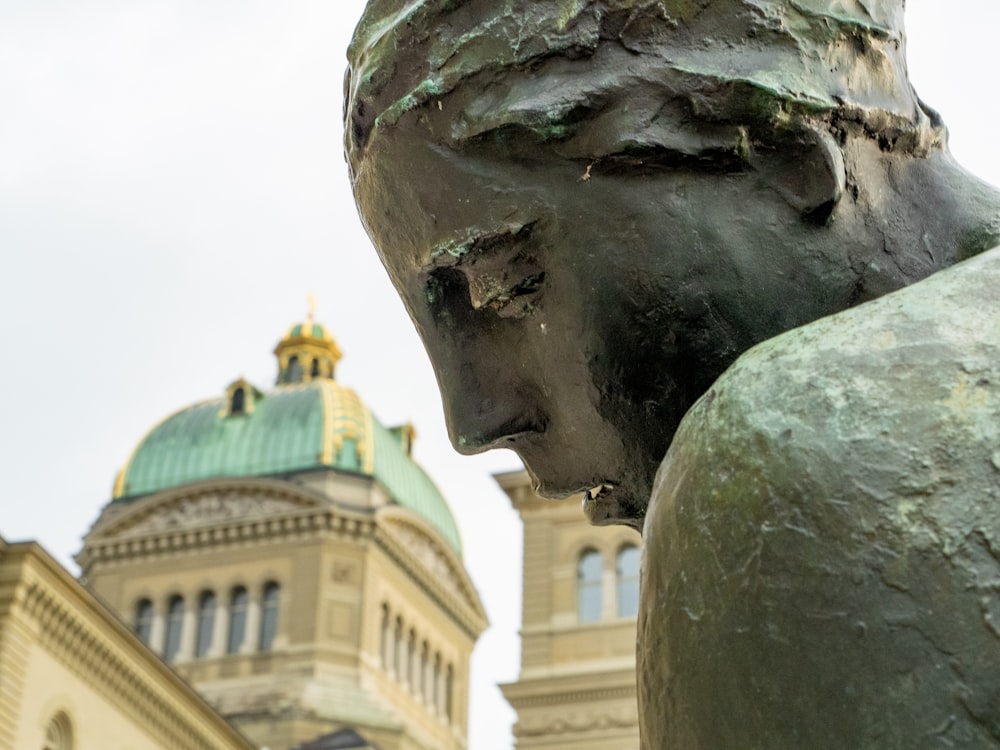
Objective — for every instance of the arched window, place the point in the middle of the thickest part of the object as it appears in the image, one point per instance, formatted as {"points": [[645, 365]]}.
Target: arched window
{"points": [[206, 624], [386, 638], [59, 733], [144, 620], [314, 370], [413, 663], [175, 625], [425, 670], [239, 403], [269, 616], [449, 692], [237, 620], [294, 370], [627, 580], [436, 696], [588, 580], [399, 650]]}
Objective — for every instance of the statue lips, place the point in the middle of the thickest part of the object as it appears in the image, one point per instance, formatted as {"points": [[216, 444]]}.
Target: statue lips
{"points": [[533, 446], [602, 498], [599, 502]]}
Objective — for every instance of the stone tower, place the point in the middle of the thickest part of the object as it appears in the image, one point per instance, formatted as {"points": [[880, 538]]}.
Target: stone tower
{"points": [[576, 689]]}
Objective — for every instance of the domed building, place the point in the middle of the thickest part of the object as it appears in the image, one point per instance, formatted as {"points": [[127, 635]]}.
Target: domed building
{"points": [[283, 551]]}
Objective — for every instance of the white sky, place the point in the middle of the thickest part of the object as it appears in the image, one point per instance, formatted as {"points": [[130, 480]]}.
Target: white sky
{"points": [[171, 189]]}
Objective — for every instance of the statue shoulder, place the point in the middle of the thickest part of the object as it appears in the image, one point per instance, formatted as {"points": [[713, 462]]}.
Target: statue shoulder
{"points": [[832, 507], [897, 395]]}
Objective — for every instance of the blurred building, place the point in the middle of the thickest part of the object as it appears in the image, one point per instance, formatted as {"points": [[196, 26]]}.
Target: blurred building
{"points": [[576, 689], [284, 553], [72, 675]]}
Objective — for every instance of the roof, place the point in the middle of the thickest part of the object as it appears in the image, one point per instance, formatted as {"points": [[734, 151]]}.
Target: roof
{"points": [[306, 422], [315, 330]]}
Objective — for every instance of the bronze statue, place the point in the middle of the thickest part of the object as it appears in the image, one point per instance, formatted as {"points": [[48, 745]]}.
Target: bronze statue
{"points": [[726, 228]]}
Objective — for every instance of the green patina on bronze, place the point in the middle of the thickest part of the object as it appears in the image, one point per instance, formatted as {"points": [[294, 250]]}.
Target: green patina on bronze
{"points": [[745, 254], [799, 56]]}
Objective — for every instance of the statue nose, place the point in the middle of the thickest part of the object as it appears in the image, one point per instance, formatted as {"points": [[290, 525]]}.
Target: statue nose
{"points": [[483, 415], [504, 435]]}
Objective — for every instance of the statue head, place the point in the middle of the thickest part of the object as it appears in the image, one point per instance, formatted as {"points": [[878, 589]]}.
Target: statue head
{"points": [[592, 207]]}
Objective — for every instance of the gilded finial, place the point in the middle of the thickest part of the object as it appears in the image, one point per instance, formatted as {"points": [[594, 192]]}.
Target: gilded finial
{"points": [[307, 350]]}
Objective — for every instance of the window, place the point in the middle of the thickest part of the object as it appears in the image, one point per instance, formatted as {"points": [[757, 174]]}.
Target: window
{"points": [[399, 650], [413, 663], [59, 733], [206, 624], [294, 370], [144, 620], [386, 636], [627, 578], [425, 671], [239, 402], [314, 370], [269, 616], [588, 577], [175, 625], [237, 620], [436, 685], [449, 688]]}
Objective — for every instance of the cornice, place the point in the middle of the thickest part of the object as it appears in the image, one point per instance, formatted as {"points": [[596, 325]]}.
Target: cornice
{"points": [[464, 606], [112, 542], [314, 519], [311, 524], [598, 628], [577, 722], [550, 697], [546, 708], [118, 516]]}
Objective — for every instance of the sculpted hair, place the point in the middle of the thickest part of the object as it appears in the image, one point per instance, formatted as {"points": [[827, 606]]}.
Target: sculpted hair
{"points": [[744, 65]]}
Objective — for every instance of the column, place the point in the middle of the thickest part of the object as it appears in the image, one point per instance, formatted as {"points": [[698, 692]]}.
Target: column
{"points": [[156, 632], [220, 629], [390, 649], [422, 672], [428, 670], [253, 623], [188, 628], [440, 674], [462, 696], [385, 650], [402, 657], [609, 589], [413, 676]]}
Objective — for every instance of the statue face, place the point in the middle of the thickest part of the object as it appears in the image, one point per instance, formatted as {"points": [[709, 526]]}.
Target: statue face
{"points": [[574, 309]]}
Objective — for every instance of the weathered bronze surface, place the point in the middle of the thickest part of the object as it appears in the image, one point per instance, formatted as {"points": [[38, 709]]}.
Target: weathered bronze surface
{"points": [[596, 211]]}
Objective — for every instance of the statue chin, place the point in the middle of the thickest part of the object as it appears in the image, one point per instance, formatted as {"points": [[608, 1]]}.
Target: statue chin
{"points": [[822, 549]]}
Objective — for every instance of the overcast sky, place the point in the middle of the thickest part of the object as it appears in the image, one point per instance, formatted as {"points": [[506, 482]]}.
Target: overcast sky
{"points": [[172, 188]]}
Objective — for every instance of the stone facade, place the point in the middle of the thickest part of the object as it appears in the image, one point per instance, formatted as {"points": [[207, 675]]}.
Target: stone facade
{"points": [[298, 606], [72, 675], [576, 689]]}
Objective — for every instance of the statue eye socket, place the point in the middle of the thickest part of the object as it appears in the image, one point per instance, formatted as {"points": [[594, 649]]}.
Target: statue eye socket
{"points": [[725, 159], [508, 298], [498, 273], [509, 292]]}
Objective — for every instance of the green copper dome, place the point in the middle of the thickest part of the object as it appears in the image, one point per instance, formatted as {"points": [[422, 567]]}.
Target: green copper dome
{"points": [[308, 329], [298, 426]]}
